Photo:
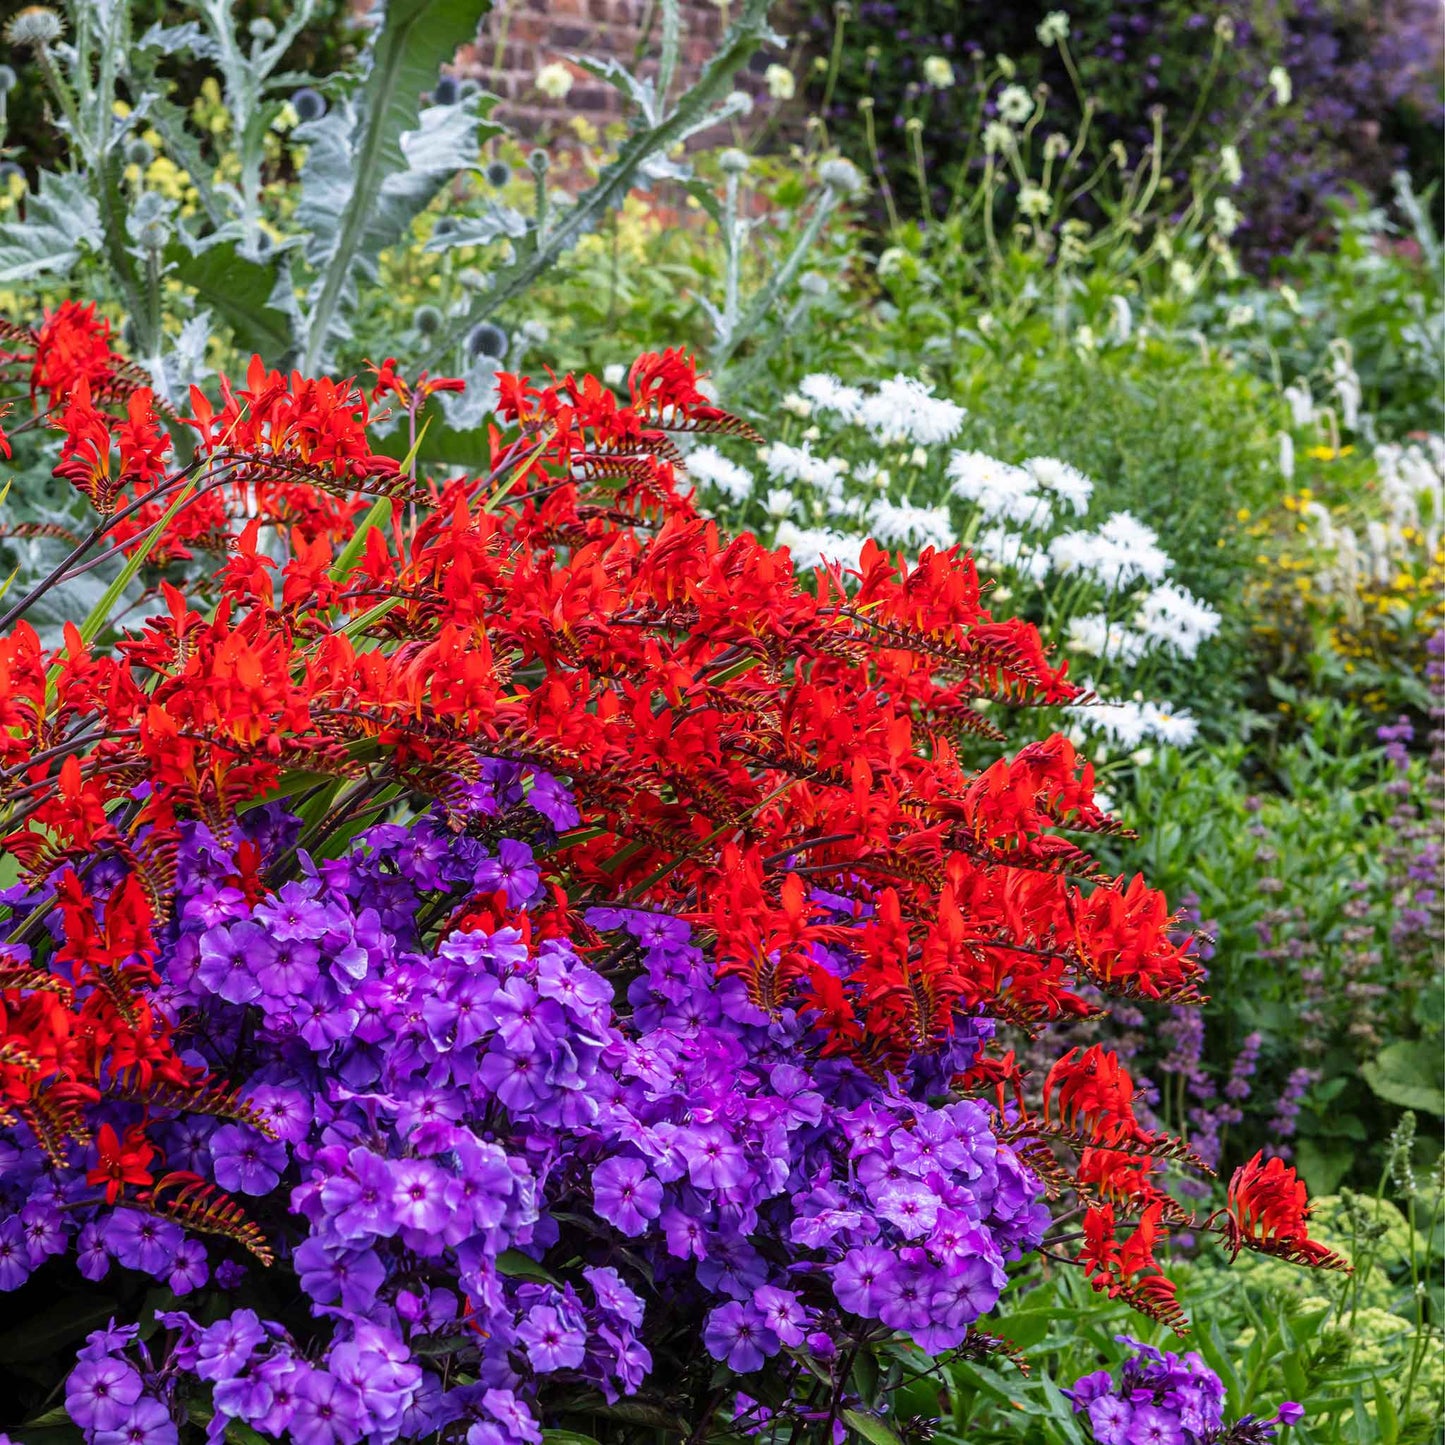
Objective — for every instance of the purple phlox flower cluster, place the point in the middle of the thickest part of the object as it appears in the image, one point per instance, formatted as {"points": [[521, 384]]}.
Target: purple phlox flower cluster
{"points": [[442, 1107], [116, 1395], [1162, 1398]]}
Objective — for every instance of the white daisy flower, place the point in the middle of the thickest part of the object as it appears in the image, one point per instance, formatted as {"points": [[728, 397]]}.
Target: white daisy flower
{"points": [[906, 410], [709, 466], [1067, 483]]}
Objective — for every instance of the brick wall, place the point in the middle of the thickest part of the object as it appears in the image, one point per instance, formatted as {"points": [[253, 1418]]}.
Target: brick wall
{"points": [[531, 33]]}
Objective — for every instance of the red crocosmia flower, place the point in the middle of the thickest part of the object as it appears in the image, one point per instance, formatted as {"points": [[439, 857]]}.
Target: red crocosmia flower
{"points": [[121, 1161], [1268, 1212], [85, 454], [72, 345], [144, 446]]}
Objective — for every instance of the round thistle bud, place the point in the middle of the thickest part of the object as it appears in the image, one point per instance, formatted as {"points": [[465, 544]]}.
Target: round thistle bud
{"points": [[427, 320], [139, 153], [733, 162], [539, 163], [445, 226], [841, 176], [308, 104], [447, 91], [468, 88], [154, 234], [498, 173], [486, 338], [36, 26], [8, 79], [262, 29]]}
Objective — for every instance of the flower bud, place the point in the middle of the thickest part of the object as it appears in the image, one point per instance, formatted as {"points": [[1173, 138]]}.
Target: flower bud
{"points": [[308, 104], [486, 338]]}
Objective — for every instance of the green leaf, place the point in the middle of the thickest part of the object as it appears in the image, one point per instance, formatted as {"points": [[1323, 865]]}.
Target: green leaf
{"points": [[1411, 1075], [61, 220], [870, 1427], [994, 1384], [567, 1437], [363, 181], [1063, 1412], [516, 1265], [238, 289], [1322, 1166], [748, 31], [1385, 1415]]}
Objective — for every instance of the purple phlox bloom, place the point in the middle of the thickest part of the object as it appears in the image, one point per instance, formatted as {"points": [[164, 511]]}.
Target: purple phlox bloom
{"points": [[910, 1205], [189, 1269], [1154, 1426], [148, 1423], [109, 1341], [625, 1194], [100, 1393], [1110, 1416], [14, 1253], [350, 1276], [508, 1411], [141, 1241], [686, 1236], [245, 1161], [783, 1312], [243, 1397], [229, 1274], [905, 1295], [291, 970], [327, 1410], [512, 871], [293, 913], [223, 1349], [44, 1230], [859, 1278], [92, 1258], [525, 1021], [286, 1112], [419, 1198], [613, 1296], [553, 802], [1088, 1388], [715, 1159], [231, 957], [552, 1343], [519, 1082], [739, 1334]]}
